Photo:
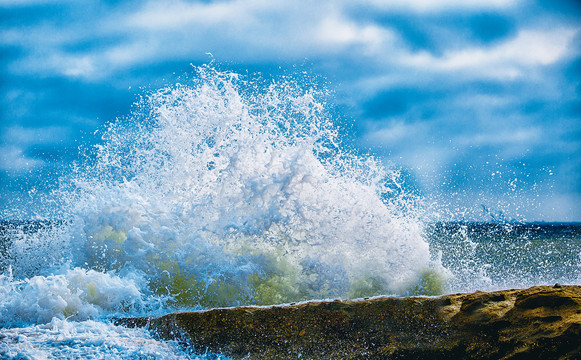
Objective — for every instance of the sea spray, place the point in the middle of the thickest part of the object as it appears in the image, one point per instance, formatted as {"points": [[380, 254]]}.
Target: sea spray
{"points": [[64, 339], [504, 255], [227, 190], [74, 293]]}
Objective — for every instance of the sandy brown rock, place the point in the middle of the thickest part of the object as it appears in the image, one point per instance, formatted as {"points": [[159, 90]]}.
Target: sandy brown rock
{"points": [[542, 322]]}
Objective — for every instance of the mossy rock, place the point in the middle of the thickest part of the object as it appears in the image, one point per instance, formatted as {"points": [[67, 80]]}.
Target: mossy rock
{"points": [[542, 322]]}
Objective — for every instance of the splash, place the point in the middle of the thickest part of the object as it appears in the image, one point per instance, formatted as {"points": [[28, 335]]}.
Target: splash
{"points": [[62, 339], [74, 293], [227, 191]]}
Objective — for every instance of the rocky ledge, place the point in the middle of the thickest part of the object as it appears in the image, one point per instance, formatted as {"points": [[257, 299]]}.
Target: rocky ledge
{"points": [[543, 322]]}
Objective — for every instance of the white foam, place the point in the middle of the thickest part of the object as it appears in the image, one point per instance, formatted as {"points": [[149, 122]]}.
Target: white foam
{"points": [[64, 339], [74, 294]]}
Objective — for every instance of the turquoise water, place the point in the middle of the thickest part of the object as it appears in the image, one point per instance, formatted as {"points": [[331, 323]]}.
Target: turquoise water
{"points": [[225, 191]]}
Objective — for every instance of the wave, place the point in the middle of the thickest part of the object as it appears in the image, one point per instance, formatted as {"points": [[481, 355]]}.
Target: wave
{"points": [[228, 190]]}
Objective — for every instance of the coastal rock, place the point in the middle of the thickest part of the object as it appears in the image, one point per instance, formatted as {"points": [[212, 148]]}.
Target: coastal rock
{"points": [[542, 322]]}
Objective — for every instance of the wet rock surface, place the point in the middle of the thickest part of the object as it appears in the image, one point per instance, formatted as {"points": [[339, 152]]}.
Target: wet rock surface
{"points": [[542, 322]]}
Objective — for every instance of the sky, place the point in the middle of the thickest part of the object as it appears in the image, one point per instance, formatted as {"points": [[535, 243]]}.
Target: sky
{"points": [[476, 102]]}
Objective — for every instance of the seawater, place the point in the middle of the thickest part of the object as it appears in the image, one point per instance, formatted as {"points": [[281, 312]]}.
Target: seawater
{"points": [[225, 190], [493, 256]]}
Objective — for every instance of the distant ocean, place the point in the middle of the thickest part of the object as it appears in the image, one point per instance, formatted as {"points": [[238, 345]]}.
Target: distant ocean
{"points": [[227, 191]]}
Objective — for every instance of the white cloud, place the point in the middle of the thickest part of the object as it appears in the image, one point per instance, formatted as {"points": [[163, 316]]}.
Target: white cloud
{"points": [[245, 30], [130, 53], [443, 5], [510, 59], [32, 2], [45, 49], [79, 66], [398, 132], [174, 15], [413, 146], [528, 136], [13, 159], [16, 140], [20, 136], [337, 31], [259, 29]]}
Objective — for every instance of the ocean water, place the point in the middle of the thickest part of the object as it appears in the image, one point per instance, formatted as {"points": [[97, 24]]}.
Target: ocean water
{"points": [[227, 190]]}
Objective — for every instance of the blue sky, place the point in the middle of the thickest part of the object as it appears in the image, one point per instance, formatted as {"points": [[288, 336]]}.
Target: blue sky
{"points": [[478, 102]]}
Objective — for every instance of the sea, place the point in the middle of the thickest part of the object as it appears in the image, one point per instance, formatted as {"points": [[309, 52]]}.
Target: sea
{"points": [[226, 190]]}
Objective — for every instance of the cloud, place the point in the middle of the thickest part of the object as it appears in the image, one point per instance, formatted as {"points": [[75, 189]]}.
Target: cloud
{"points": [[508, 60], [429, 83], [443, 5], [77, 66], [43, 50], [336, 31], [16, 142], [285, 28], [14, 160], [262, 30], [520, 136], [23, 3], [177, 14], [398, 132], [35, 136]]}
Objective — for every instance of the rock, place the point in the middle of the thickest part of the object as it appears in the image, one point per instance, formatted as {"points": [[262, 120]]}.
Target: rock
{"points": [[542, 322]]}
